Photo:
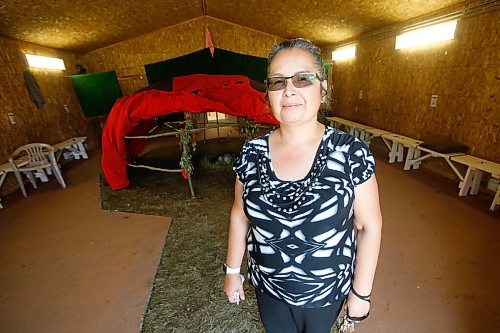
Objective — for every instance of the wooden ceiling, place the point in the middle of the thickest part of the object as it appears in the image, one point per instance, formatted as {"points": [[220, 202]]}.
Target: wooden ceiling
{"points": [[85, 25]]}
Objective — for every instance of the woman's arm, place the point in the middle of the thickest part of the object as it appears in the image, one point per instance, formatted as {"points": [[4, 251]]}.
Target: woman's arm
{"points": [[238, 229], [368, 223]]}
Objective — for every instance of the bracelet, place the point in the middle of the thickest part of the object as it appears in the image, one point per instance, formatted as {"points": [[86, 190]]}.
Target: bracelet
{"points": [[364, 298], [229, 270]]}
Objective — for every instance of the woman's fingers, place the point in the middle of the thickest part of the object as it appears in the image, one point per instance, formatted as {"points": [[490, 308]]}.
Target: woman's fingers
{"points": [[233, 288], [236, 295], [242, 294]]}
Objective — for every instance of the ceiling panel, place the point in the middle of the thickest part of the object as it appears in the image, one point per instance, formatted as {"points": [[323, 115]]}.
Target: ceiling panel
{"points": [[324, 22], [82, 26]]}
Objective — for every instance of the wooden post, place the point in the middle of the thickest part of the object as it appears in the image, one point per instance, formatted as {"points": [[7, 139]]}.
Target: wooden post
{"points": [[191, 186]]}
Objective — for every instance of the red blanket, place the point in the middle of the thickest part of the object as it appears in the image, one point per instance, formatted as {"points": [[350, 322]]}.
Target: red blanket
{"points": [[134, 114]]}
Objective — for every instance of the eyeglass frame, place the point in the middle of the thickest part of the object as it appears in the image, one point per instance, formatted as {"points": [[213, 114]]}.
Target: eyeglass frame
{"points": [[316, 76]]}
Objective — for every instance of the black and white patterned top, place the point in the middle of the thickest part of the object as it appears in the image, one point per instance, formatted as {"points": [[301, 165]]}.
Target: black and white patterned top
{"points": [[301, 243]]}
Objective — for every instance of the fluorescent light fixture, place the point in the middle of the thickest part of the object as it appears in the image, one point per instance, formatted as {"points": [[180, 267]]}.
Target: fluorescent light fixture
{"points": [[431, 34], [44, 62], [344, 53]]}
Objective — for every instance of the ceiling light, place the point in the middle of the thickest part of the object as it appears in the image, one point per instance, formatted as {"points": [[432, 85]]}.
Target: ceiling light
{"points": [[44, 62], [344, 53], [431, 34]]}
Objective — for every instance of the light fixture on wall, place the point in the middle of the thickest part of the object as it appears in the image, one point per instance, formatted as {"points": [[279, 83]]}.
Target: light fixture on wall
{"points": [[344, 53], [427, 35], [36, 61]]}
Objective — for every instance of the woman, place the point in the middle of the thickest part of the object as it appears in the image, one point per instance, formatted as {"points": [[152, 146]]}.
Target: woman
{"points": [[306, 207]]}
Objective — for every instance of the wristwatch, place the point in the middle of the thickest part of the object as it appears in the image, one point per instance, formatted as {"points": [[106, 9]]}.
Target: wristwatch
{"points": [[228, 270]]}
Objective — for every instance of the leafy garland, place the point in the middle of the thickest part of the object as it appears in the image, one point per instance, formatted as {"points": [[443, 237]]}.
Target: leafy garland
{"points": [[248, 129], [185, 139]]}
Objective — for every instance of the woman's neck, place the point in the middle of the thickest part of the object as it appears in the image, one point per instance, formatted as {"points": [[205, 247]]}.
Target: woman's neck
{"points": [[300, 134]]}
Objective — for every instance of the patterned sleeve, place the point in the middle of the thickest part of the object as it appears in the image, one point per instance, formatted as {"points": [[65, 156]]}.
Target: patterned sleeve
{"points": [[361, 162], [244, 163]]}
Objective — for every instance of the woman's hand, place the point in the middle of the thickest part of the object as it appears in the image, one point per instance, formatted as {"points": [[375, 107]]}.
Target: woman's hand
{"points": [[356, 307], [233, 285]]}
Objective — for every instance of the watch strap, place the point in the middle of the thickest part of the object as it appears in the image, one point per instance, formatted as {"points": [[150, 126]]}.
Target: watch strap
{"points": [[229, 270]]}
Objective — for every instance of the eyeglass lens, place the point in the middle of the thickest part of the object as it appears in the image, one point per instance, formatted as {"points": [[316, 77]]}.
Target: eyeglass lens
{"points": [[299, 80]]}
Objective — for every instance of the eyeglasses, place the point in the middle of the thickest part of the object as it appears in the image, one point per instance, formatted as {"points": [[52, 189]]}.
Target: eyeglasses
{"points": [[300, 80]]}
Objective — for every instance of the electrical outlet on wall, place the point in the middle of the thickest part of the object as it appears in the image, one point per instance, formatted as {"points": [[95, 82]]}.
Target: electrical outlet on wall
{"points": [[434, 101], [360, 94]]}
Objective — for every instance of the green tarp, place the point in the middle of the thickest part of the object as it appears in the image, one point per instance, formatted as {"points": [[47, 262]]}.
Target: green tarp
{"points": [[202, 62], [96, 92]]}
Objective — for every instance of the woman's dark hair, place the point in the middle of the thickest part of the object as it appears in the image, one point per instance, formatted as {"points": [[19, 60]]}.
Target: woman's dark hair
{"points": [[303, 44]]}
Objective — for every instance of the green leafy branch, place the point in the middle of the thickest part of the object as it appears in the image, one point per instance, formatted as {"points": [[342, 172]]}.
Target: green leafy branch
{"points": [[185, 140], [248, 129]]}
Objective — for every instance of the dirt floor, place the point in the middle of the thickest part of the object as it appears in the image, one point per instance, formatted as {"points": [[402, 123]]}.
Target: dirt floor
{"points": [[187, 294], [436, 271]]}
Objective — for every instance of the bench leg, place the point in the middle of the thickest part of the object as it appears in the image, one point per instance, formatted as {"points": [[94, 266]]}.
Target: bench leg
{"points": [[472, 180], [32, 179], [412, 155], [76, 150], [3, 175], [476, 181], [361, 135], [466, 183], [82, 150], [366, 138], [42, 174], [496, 200], [400, 152], [416, 155], [396, 153]]}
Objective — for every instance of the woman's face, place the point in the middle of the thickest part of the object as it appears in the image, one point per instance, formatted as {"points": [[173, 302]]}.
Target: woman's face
{"points": [[293, 105]]}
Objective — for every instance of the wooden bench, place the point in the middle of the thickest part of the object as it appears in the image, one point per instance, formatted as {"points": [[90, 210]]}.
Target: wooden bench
{"points": [[372, 133], [475, 168], [397, 143], [432, 153], [71, 148], [353, 128]]}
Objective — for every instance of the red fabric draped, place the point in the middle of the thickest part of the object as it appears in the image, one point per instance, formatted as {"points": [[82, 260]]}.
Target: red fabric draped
{"points": [[133, 114]]}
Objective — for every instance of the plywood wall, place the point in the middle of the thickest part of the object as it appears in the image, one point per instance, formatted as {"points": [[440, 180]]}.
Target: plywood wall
{"points": [[397, 86], [50, 124], [129, 57]]}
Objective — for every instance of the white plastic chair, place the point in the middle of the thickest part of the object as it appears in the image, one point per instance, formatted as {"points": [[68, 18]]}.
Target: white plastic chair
{"points": [[35, 160]]}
